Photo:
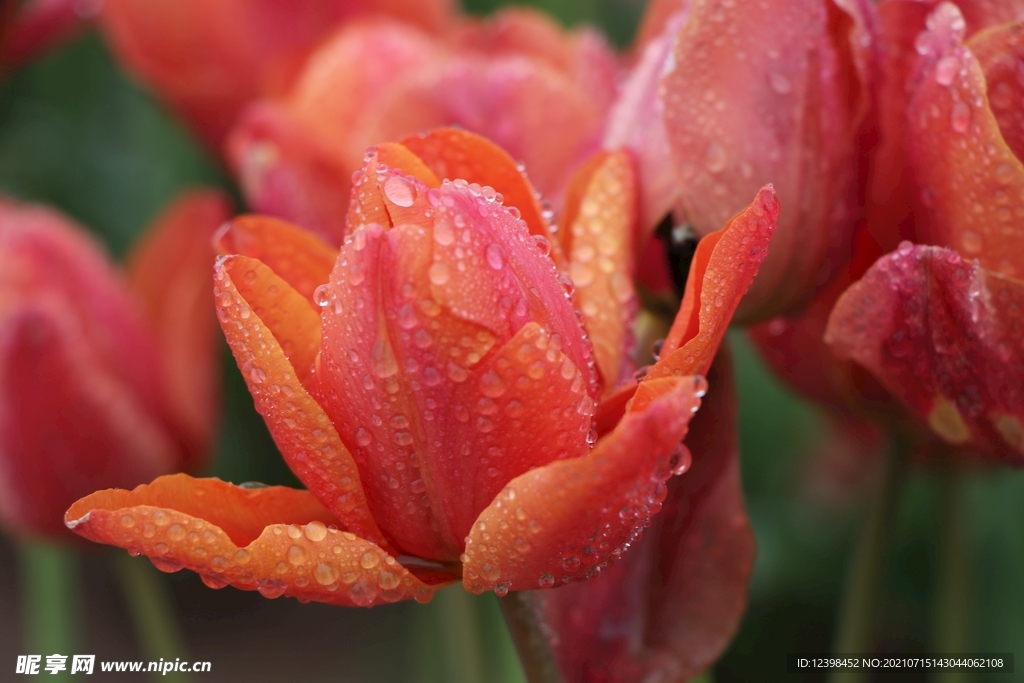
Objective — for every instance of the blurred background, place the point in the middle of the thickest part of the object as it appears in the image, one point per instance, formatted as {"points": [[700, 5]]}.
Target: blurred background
{"points": [[77, 134]]}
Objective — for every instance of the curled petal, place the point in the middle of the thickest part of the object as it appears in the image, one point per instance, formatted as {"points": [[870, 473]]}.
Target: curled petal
{"points": [[246, 290], [781, 97], [567, 520], [969, 180], [68, 425], [597, 231], [297, 256], [276, 540], [723, 267], [678, 596], [170, 271], [945, 337], [456, 153]]}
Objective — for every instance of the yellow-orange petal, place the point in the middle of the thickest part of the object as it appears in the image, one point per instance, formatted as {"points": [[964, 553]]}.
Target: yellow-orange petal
{"points": [[275, 540], [169, 269], [601, 206], [455, 153], [298, 256], [723, 268], [970, 183], [566, 521], [384, 188], [302, 431]]}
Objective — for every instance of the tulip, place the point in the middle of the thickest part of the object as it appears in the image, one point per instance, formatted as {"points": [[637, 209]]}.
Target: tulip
{"points": [[729, 96], [208, 58], [436, 390], [103, 381], [935, 333], [539, 92]]}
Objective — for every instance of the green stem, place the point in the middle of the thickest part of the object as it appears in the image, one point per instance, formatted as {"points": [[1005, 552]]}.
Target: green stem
{"points": [[153, 613], [459, 626], [951, 615], [864, 590], [532, 644], [50, 602]]}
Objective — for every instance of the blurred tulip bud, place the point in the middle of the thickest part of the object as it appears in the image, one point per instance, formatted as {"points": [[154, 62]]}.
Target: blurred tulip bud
{"points": [[208, 58], [96, 390]]}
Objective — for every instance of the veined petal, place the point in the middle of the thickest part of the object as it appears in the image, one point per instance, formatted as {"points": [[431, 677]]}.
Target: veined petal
{"points": [[170, 271], [945, 337], [567, 520], [598, 233], [679, 595], [969, 181], [276, 540], [297, 256], [302, 431]]}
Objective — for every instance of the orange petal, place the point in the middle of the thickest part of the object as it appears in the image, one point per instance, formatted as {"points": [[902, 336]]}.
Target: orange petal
{"points": [[970, 182], [945, 337], [999, 50], [599, 236], [170, 271], [297, 256], [723, 268], [275, 540], [567, 520], [307, 439], [384, 190], [781, 97], [680, 594], [454, 153]]}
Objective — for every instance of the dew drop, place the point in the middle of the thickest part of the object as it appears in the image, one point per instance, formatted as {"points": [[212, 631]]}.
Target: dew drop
{"points": [[960, 117], [296, 554], [322, 295], [316, 531], [494, 256], [399, 191]]}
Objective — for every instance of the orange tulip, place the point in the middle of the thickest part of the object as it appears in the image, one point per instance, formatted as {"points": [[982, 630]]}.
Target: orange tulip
{"points": [[451, 413], [102, 382], [727, 96], [517, 78], [209, 58]]}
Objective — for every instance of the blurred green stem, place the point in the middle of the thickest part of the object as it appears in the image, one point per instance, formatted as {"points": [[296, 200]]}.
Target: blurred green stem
{"points": [[532, 644], [864, 592], [153, 613], [50, 602], [460, 631], [951, 610]]}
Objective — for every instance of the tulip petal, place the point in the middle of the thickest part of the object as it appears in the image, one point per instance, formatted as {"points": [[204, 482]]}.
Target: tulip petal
{"points": [[944, 336], [437, 301], [170, 270], [680, 594], [68, 424], [454, 153], [567, 520], [274, 540], [637, 122], [302, 431], [780, 97], [999, 51], [390, 188], [981, 14], [969, 181], [723, 267], [598, 230], [297, 256]]}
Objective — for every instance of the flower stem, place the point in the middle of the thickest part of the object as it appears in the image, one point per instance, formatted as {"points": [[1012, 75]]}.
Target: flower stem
{"points": [[50, 599], [864, 591], [459, 626], [951, 615], [153, 613], [525, 626]]}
